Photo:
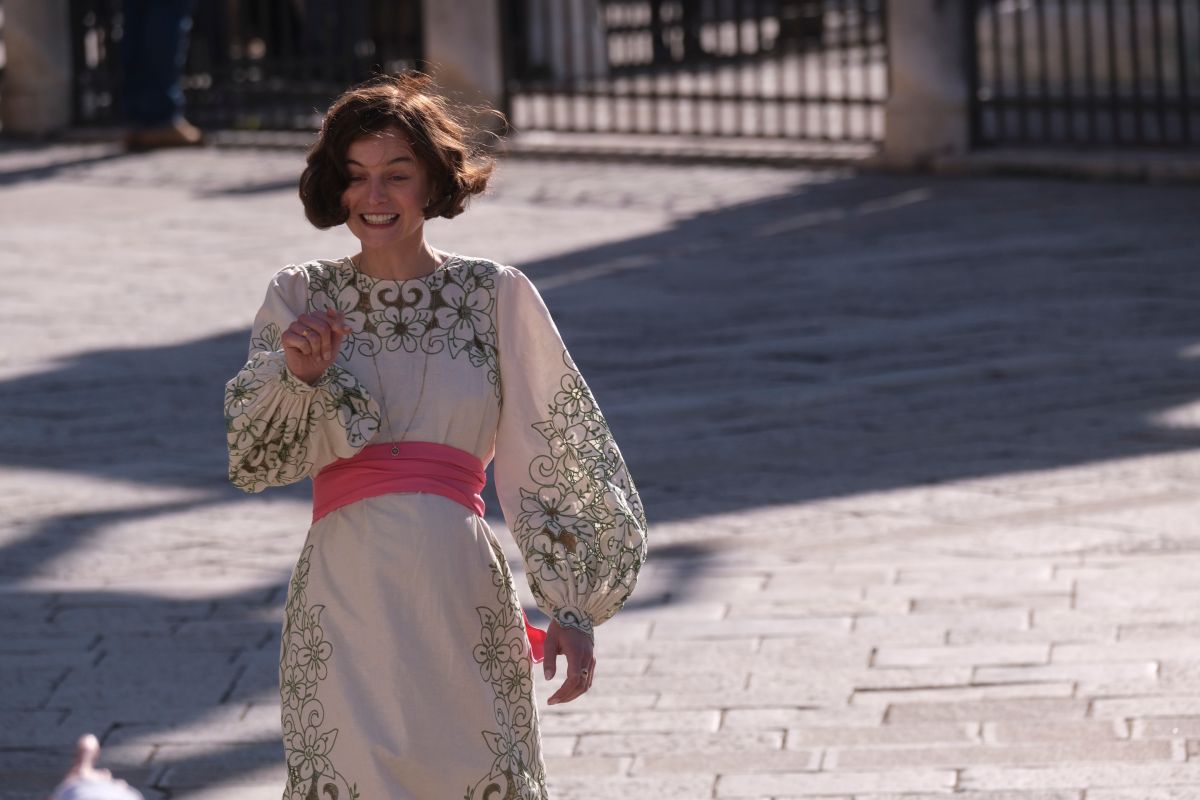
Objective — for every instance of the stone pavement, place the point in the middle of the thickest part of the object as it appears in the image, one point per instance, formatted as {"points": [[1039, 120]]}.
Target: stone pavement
{"points": [[919, 454]]}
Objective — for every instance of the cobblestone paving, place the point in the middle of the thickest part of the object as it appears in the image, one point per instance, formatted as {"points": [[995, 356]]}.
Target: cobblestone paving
{"points": [[920, 456]]}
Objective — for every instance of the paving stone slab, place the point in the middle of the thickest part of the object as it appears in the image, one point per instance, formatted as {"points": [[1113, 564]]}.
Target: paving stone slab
{"points": [[1165, 728], [670, 744], [895, 656], [571, 722], [780, 718], [872, 735], [189, 766], [1037, 708], [961, 694], [797, 784], [1023, 795], [1052, 731], [1054, 752], [1081, 776], [760, 761]]}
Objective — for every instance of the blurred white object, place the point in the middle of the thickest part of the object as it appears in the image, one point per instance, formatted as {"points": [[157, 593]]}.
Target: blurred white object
{"points": [[96, 789]]}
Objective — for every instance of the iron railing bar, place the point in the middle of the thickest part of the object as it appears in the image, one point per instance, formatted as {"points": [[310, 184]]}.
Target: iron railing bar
{"points": [[564, 105], [886, 72], [780, 70], [1136, 65], [1018, 15], [1113, 85], [827, 51], [589, 60], [999, 88], [653, 93], [1160, 89], [1043, 61], [1089, 72], [864, 50], [759, 83], [1068, 84], [972, 62], [1182, 66], [846, 66], [743, 46], [1104, 104]]}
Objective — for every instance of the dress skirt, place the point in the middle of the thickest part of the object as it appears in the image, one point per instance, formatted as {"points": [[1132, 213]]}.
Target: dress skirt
{"points": [[405, 671]]}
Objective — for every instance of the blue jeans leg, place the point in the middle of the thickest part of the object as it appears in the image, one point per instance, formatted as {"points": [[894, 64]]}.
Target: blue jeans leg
{"points": [[154, 49]]}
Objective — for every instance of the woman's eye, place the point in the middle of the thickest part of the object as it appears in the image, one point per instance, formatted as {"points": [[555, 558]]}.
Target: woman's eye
{"points": [[357, 178], [399, 178]]}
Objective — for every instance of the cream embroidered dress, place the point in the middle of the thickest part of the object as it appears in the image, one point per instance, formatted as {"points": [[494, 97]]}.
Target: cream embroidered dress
{"points": [[404, 668]]}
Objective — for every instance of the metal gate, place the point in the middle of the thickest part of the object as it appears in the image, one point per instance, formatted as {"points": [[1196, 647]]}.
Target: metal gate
{"points": [[1086, 72], [253, 64], [797, 69]]}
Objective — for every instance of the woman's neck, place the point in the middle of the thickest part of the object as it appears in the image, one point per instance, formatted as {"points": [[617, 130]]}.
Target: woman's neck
{"points": [[399, 265]]}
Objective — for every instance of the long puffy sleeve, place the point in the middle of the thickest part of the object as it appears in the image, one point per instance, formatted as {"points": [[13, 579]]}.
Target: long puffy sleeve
{"points": [[563, 485], [280, 429]]}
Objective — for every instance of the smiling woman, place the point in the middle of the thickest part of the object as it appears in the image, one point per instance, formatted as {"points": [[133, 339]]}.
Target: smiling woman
{"points": [[392, 377]]}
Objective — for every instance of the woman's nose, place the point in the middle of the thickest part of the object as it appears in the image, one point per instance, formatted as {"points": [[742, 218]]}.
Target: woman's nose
{"points": [[377, 191]]}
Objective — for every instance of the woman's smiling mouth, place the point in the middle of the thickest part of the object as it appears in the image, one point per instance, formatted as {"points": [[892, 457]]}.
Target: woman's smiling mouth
{"points": [[379, 220]]}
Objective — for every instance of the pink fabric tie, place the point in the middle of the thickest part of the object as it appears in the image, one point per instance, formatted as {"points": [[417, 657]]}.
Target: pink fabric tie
{"points": [[414, 467]]}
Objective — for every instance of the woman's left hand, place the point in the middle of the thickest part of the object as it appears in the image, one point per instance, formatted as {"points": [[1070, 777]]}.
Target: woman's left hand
{"points": [[581, 664]]}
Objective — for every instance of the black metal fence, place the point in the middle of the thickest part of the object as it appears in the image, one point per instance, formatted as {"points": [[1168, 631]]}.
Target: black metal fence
{"points": [[797, 69], [253, 64], [1086, 72]]}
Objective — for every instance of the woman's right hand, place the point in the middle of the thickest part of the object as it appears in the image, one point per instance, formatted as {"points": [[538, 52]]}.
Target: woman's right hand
{"points": [[312, 342]]}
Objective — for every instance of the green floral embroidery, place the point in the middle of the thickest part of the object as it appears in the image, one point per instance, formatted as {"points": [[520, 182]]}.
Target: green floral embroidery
{"points": [[581, 520], [517, 772], [269, 338], [304, 657], [451, 310], [274, 451]]}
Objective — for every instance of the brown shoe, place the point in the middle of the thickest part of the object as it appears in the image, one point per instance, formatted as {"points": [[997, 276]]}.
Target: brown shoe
{"points": [[180, 133]]}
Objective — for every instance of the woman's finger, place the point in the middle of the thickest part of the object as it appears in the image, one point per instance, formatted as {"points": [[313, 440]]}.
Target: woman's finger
{"points": [[568, 691], [338, 320], [338, 327], [591, 676], [550, 653], [298, 342], [322, 342], [579, 664]]}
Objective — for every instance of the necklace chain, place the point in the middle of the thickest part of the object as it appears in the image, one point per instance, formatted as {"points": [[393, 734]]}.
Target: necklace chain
{"points": [[416, 406]]}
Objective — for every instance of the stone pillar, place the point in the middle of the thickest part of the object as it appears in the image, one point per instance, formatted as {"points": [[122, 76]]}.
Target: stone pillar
{"points": [[35, 99], [463, 51], [928, 112]]}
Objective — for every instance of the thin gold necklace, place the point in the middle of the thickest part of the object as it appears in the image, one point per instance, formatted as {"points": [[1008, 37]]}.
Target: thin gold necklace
{"points": [[416, 406]]}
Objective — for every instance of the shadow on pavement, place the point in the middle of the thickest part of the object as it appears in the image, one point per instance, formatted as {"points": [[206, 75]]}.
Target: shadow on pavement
{"points": [[868, 334], [57, 167], [861, 335]]}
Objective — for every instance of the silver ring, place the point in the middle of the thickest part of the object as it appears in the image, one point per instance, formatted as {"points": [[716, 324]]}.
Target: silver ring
{"points": [[583, 672]]}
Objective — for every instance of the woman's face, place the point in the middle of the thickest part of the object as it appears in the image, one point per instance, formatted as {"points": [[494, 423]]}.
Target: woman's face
{"points": [[387, 193]]}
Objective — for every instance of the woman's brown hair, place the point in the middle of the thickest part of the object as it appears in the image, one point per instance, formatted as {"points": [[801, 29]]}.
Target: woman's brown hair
{"points": [[409, 102]]}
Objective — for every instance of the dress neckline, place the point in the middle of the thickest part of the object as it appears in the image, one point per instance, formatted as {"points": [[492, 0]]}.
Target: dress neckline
{"points": [[442, 267]]}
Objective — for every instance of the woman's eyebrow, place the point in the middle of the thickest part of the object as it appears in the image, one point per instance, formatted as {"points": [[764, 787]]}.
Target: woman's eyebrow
{"points": [[395, 160]]}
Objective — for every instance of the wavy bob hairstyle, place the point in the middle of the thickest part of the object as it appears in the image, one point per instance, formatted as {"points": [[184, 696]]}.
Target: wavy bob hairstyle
{"points": [[408, 102]]}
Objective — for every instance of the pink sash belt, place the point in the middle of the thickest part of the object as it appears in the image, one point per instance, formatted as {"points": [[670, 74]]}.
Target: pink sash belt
{"points": [[415, 467]]}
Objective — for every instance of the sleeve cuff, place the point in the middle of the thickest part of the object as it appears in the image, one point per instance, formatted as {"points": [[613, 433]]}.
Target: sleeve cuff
{"points": [[573, 617], [294, 385]]}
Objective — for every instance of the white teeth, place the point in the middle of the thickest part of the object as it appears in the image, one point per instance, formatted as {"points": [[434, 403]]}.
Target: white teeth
{"points": [[379, 219]]}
